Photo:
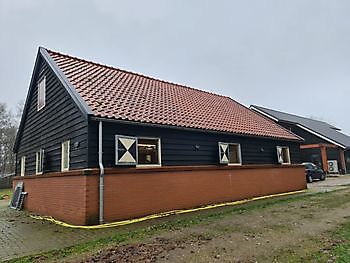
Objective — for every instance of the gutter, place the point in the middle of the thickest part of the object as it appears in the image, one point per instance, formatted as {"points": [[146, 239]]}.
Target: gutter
{"points": [[102, 172]]}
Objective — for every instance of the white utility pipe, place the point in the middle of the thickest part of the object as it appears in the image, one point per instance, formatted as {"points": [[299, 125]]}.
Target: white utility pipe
{"points": [[102, 172]]}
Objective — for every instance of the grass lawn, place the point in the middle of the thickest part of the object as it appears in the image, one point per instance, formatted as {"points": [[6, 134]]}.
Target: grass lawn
{"points": [[5, 192], [341, 244]]}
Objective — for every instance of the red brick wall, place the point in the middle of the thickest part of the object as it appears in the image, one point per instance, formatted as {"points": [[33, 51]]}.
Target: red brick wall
{"points": [[130, 193], [71, 197]]}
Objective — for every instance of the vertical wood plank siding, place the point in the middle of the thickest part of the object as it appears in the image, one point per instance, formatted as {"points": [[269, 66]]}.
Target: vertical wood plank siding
{"points": [[178, 146], [58, 121]]}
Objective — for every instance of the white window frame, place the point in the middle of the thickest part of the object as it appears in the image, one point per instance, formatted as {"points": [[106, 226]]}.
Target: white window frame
{"points": [[41, 92], [239, 154], [228, 150], [23, 165], [159, 152], [39, 161], [285, 147], [64, 169]]}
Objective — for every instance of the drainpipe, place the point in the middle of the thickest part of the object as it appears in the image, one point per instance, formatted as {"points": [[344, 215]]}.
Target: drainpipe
{"points": [[102, 172]]}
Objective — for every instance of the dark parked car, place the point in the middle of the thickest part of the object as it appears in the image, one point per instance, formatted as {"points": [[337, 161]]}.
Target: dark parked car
{"points": [[313, 172]]}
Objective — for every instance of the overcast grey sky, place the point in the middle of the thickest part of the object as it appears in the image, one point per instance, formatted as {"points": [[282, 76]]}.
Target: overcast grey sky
{"points": [[291, 55]]}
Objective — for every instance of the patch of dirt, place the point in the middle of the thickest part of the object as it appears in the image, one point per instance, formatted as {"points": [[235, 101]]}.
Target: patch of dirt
{"points": [[284, 232], [136, 252], [5, 197]]}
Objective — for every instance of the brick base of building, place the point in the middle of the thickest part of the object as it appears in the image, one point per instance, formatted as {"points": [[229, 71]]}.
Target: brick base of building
{"points": [[129, 193]]}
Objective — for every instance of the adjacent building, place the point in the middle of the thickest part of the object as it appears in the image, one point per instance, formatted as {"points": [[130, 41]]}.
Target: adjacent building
{"points": [[324, 144]]}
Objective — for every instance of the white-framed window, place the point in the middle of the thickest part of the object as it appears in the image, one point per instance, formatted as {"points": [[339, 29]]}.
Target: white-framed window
{"points": [[65, 156], [230, 153], [142, 151], [283, 155], [42, 93], [23, 165], [39, 161], [148, 152], [234, 152]]}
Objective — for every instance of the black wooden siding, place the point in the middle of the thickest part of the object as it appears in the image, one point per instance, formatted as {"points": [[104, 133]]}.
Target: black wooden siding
{"points": [[178, 146], [308, 137], [58, 121]]}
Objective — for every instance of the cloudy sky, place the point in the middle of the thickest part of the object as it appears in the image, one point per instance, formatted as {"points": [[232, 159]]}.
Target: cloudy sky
{"points": [[291, 55]]}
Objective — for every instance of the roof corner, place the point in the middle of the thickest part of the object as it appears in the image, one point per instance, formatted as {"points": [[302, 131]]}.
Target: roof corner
{"points": [[80, 102]]}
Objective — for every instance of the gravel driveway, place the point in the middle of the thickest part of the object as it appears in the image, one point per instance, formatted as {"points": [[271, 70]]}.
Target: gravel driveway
{"points": [[330, 184]]}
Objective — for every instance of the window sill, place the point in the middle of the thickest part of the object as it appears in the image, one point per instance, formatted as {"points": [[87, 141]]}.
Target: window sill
{"points": [[148, 165], [234, 164]]}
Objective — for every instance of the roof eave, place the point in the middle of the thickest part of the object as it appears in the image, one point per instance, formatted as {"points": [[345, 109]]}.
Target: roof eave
{"points": [[79, 101], [24, 113], [302, 127], [114, 120], [252, 107], [321, 136]]}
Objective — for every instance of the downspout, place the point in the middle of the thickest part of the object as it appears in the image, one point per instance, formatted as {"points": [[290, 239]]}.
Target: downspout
{"points": [[102, 172]]}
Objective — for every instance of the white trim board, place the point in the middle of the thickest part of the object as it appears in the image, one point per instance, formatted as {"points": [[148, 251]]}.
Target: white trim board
{"points": [[264, 113], [320, 135], [274, 119]]}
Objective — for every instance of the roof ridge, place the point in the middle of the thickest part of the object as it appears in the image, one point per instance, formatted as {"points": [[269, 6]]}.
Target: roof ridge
{"points": [[135, 73]]}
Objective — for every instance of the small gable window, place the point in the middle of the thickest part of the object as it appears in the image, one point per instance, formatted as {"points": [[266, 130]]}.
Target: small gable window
{"points": [[39, 161], [283, 155], [41, 93], [65, 156], [23, 165]]}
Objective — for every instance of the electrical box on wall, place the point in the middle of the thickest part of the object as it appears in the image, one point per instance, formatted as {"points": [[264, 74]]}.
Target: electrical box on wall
{"points": [[333, 166]]}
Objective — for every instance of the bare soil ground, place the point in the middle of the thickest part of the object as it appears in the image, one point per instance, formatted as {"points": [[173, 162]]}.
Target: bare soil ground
{"points": [[283, 232]]}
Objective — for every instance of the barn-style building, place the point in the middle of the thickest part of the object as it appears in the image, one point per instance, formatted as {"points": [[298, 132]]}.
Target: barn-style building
{"points": [[99, 144], [324, 144]]}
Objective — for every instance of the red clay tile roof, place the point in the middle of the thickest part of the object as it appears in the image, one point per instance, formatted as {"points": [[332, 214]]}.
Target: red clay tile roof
{"points": [[123, 95]]}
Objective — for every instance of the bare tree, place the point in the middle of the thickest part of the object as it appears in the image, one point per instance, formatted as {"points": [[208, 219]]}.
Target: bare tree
{"points": [[8, 129]]}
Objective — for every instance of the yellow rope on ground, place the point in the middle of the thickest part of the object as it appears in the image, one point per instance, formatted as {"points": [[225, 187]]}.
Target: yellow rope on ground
{"points": [[163, 214]]}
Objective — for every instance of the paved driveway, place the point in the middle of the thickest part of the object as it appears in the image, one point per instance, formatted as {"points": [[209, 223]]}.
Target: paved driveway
{"points": [[21, 235]]}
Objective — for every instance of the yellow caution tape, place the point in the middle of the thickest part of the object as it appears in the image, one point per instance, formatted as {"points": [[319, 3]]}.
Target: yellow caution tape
{"points": [[163, 214]]}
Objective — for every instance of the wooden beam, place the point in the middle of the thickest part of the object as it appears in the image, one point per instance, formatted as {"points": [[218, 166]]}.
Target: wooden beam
{"points": [[317, 145], [342, 160], [324, 158]]}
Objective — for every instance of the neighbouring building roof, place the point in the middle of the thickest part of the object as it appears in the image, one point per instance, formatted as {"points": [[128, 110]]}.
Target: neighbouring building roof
{"points": [[122, 95], [321, 129]]}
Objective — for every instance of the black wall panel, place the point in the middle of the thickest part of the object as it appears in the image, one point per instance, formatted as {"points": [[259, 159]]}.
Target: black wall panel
{"points": [[178, 146], [58, 121]]}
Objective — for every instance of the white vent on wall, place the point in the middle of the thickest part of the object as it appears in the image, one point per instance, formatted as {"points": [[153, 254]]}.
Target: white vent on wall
{"points": [[333, 166]]}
